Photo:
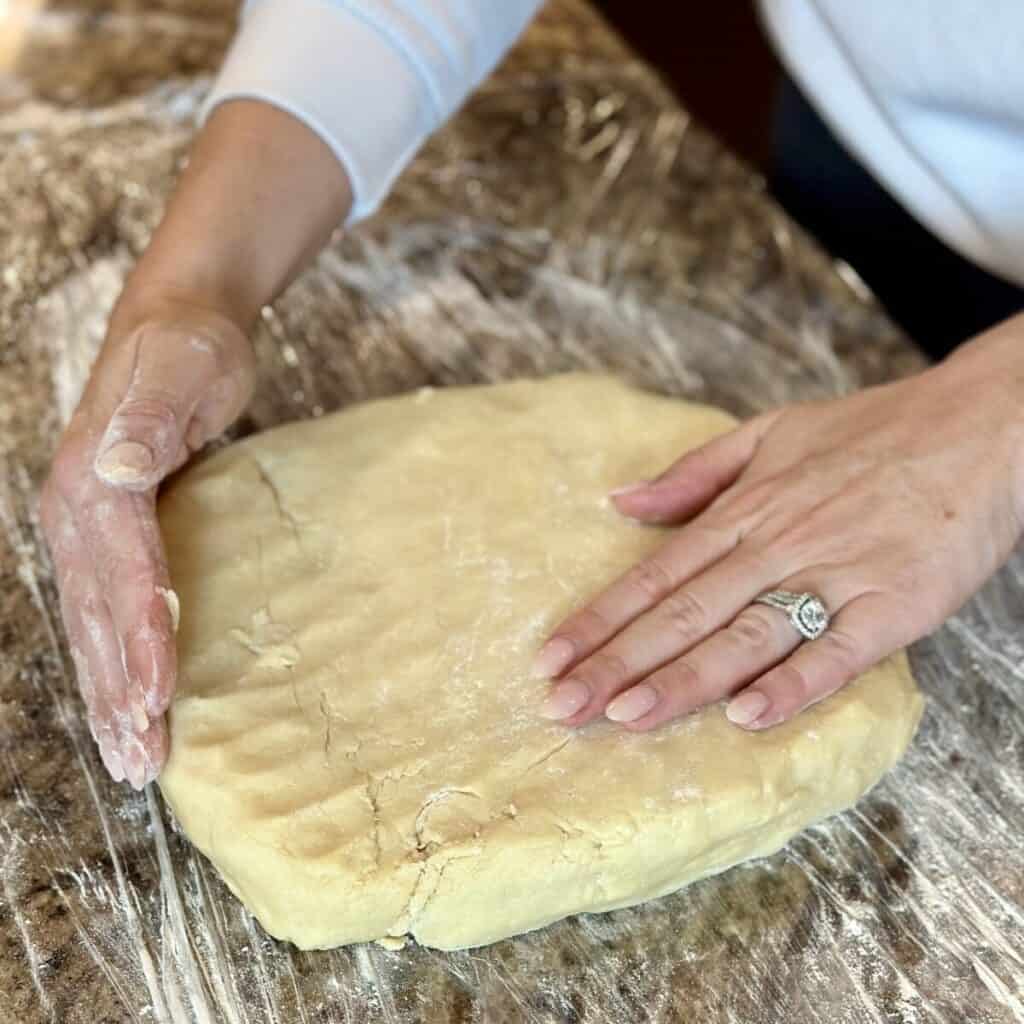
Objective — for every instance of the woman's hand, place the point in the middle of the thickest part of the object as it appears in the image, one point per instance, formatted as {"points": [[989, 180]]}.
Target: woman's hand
{"points": [[260, 196], [162, 387], [892, 505]]}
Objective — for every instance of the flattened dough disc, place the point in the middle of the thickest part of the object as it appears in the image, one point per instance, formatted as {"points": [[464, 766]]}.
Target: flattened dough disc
{"points": [[355, 739]]}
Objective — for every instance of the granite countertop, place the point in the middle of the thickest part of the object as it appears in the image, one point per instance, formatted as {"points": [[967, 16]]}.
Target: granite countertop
{"points": [[572, 216]]}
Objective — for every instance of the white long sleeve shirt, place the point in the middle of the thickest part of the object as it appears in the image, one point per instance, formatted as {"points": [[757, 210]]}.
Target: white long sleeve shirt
{"points": [[928, 94]]}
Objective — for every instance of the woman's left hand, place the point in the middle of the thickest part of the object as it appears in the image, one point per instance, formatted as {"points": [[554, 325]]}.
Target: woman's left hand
{"points": [[892, 505]]}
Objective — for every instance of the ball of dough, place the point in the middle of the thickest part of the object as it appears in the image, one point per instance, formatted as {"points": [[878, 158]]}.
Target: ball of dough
{"points": [[355, 741]]}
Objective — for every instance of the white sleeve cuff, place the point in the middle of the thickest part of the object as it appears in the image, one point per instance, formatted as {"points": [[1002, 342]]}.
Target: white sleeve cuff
{"points": [[343, 78]]}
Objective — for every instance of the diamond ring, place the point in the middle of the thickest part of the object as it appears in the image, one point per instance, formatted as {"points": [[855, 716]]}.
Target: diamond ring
{"points": [[806, 611]]}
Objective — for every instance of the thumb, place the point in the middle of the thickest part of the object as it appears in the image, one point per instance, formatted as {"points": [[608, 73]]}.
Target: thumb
{"points": [[188, 379], [696, 479]]}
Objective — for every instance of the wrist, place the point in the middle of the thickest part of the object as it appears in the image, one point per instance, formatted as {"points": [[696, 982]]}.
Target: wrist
{"points": [[987, 373], [992, 363], [990, 368], [145, 300], [259, 197]]}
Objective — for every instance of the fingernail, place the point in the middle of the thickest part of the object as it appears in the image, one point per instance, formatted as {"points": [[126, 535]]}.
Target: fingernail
{"points": [[135, 762], [565, 700], [126, 462], [111, 758], [632, 704], [637, 485], [746, 708], [554, 656]]}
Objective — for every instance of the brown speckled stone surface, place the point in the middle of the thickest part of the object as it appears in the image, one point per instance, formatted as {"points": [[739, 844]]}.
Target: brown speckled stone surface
{"points": [[570, 216]]}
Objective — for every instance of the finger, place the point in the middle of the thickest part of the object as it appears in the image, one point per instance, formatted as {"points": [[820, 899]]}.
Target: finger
{"points": [[671, 628], [93, 644], [696, 479], [121, 533], [757, 639], [186, 384], [129, 750], [863, 633], [650, 581], [98, 718]]}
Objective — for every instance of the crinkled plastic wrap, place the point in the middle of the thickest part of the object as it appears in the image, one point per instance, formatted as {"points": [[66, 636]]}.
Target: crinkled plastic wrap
{"points": [[571, 216]]}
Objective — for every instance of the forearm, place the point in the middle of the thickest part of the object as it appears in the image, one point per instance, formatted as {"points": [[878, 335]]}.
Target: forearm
{"points": [[318, 107], [260, 196]]}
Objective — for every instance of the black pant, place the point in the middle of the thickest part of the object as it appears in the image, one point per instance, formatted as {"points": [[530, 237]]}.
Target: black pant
{"points": [[939, 298]]}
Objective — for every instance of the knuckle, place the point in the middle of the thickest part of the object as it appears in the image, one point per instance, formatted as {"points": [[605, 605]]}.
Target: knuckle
{"points": [[752, 629], [680, 675], [758, 561], [742, 507], [712, 532], [788, 544], [794, 685], [603, 670], [681, 612], [807, 535], [650, 579], [913, 578], [152, 412], [842, 648], [586, 627]]}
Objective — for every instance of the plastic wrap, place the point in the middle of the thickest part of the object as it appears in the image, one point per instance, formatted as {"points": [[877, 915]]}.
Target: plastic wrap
{"points": [[571, 216]]}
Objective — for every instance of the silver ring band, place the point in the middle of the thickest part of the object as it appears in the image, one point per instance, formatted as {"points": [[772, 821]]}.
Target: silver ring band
{"points": [[806, 611]]}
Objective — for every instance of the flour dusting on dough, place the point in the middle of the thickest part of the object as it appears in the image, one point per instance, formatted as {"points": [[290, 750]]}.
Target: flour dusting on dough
{"points": [[269, 640], [173, 605]]}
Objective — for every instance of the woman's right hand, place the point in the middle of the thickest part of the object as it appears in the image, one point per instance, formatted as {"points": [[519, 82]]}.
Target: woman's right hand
{"points": [[166, 381]]}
